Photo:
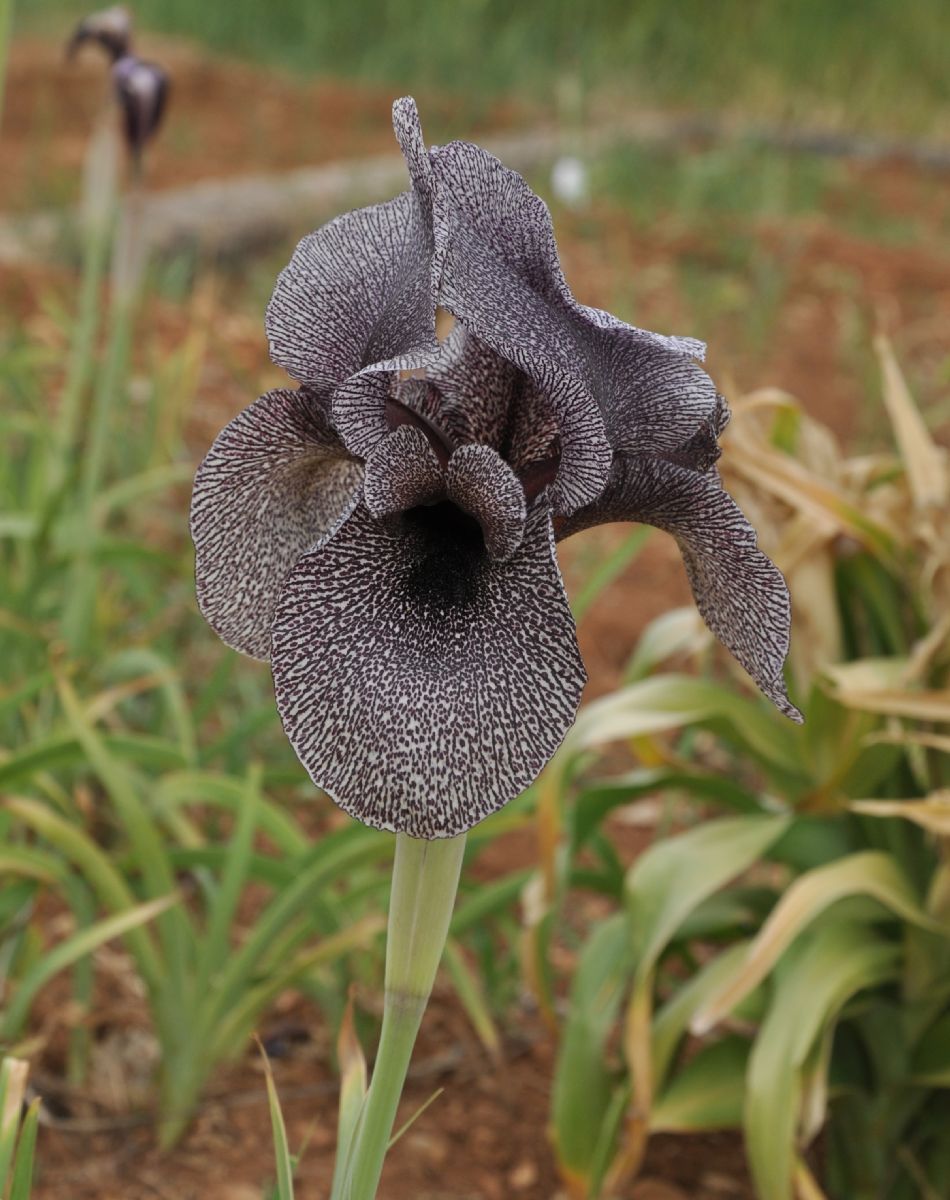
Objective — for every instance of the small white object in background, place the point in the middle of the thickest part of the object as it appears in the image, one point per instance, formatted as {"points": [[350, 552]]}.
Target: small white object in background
{"points": [[569, 181]]}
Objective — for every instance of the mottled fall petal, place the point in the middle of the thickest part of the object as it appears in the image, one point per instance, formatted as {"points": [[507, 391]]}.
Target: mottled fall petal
{"points": [[356, 293], [482, 483], [652, 394], [402, 471], [274, 481], [741, 595], [423, 684]]}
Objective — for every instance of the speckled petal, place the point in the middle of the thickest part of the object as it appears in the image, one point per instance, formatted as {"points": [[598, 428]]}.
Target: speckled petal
{"points": [[741, 595], [275, 480], [402, 471], [652, 395], [482, 483], [422, 684], [477, 388], [408, 130], [502, 279], [356, 293]]}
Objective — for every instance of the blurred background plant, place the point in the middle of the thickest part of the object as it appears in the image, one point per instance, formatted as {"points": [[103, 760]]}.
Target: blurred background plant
{"points": [[786, 967], [712, 920], [17, 1135]]}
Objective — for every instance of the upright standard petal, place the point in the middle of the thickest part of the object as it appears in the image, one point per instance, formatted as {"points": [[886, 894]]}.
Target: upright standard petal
{"points": [[408, 130], [275, 481], [477, 389], [502, 279], [422, 684], [739, 592], [356, 292]]}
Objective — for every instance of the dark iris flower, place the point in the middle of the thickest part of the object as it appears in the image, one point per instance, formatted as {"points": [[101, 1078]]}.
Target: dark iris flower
{"points": [[141, 89], [385, 533], [110, 29]]}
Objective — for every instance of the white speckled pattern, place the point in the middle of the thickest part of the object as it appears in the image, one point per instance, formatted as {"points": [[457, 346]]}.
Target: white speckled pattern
{"points": [[276, 479], [423, 684]]}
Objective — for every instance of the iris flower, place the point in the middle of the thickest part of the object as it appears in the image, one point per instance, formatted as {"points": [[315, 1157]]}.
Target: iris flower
{"points": [[385, 532]]}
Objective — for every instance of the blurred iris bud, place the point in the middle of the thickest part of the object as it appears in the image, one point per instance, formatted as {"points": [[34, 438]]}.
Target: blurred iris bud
{"points": [[142, 91], [111, 29]]}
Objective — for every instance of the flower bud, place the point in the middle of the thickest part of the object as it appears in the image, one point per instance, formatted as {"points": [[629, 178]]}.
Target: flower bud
{"points": [[142, 90], [111, 29]]}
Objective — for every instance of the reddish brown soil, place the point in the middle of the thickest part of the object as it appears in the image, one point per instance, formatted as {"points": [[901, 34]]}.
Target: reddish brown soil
{"points": [[484, 1138]]}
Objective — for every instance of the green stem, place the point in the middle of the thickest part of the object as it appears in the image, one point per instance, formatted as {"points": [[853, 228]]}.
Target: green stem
{"points": [[77, 618], [425, 880]]}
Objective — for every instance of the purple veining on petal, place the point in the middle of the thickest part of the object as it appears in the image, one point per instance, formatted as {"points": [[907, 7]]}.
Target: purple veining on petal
{"points": [[741, 595], [275, 481], [422, 683]]}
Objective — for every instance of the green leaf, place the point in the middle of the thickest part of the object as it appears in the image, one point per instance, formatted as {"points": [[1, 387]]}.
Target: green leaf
{"points": [[23, 1166], [609, 569], [175, 929], [215, 946], [229, 1035], [816, 980], [706, 1093], [468, 988], [69, 951], [99, 872], [65, 750], [674, 876], [333, 858], [671, 633], [13, 1074], [487, 900], [583, 1084], [930, 1065], [601, 797], [667, 702], [224, 791], [353, 1088], [870, 873], [142, 660], [285, 1166], [671, 1022]]}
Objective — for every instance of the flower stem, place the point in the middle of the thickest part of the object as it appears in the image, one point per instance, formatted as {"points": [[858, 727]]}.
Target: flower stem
{"points": [[425, 880]]}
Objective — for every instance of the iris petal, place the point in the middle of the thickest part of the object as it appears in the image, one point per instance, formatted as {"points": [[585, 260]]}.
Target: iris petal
{"points": [[477, 388], [483, 484], [741, 595], [275, 480], [402, 471], [356, 293], [499, 275], [422, 684]]}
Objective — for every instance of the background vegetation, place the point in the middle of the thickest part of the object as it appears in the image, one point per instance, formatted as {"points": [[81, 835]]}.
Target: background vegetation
{"points": [[853, 61]]}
